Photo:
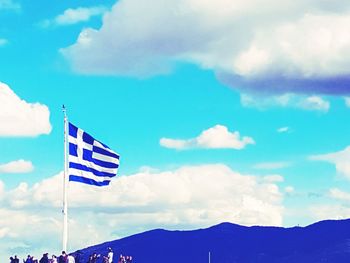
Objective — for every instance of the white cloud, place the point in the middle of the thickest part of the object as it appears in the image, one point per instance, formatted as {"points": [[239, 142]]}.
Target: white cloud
{"points": [[19, 166], [187, 198], [294, 41], [274, 178], [73, 16], [339, 159], [187, 187], [315, 103], [20, 118], [338, 194], [253, 101], [283, 129], [312, 103], [331, 211], [338, 210], [214, 138], [271, 165], [45, 226], [289, 189], [305, 47]]}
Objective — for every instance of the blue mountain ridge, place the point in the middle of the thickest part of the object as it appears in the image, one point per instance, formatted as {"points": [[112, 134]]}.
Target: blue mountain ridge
{"points": [[325, 241]]}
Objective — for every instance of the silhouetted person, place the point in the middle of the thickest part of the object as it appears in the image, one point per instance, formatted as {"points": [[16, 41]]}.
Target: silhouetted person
{"points": [[110, 255], [121, 259], [63, 258], [53, 259], [93, 258], [44, 258], [29, 259], [71, 259]]}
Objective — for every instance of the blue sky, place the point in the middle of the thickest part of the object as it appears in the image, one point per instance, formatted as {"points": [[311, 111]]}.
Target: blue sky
{"points": [[221, 111]]}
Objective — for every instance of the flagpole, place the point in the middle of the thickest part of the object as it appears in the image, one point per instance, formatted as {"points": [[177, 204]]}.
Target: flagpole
{"points": [[65, 184]]}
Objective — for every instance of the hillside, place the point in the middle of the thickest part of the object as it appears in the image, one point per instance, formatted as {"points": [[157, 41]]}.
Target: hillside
{"points": [[325, 241]]}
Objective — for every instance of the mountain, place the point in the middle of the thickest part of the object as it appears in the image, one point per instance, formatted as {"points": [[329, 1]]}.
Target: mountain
{"points": [[325, 241]]}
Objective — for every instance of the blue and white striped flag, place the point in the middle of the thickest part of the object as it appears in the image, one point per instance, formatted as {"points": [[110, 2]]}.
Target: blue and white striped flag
{"points": [[90, 161]]}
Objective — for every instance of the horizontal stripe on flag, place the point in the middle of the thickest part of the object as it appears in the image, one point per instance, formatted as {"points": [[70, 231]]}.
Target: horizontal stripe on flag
{"points": [[88, 174], [88, 180], [75, 159], [87, 155], [79, 166], [104, 158], [104, 151], [102, 145]]}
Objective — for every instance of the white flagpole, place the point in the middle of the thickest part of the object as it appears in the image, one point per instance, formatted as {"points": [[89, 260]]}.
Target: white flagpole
{"points": [[65, 184]]}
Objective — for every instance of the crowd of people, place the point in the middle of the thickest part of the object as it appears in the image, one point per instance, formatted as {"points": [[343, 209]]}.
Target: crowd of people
{"points": [[125, 259], [93, 258], [63, 258], [73, 258]]}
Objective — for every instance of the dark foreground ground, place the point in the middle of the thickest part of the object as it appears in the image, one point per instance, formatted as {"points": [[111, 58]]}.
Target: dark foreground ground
{"points": [[326, 241]]}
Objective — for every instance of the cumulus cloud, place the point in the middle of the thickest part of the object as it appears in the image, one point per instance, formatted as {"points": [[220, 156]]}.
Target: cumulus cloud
{"points": [[44, 233], [20, 118], [338, 209], [339, 159], [315, 103], [329, 211], [73, 16], [185, 189], [145, 200], [338, 194], [19, 166], [312, 103], [217, 137], [292, 46]]}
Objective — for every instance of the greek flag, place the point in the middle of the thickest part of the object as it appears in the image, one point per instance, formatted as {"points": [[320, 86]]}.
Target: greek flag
{"points": [[90, 161]]}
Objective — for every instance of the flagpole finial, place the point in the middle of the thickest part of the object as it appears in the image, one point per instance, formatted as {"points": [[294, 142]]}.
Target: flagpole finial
{"points": [[64, 110]]}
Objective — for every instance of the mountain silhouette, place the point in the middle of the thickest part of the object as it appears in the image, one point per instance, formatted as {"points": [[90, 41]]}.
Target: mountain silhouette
{"points": [[325, 241]]}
